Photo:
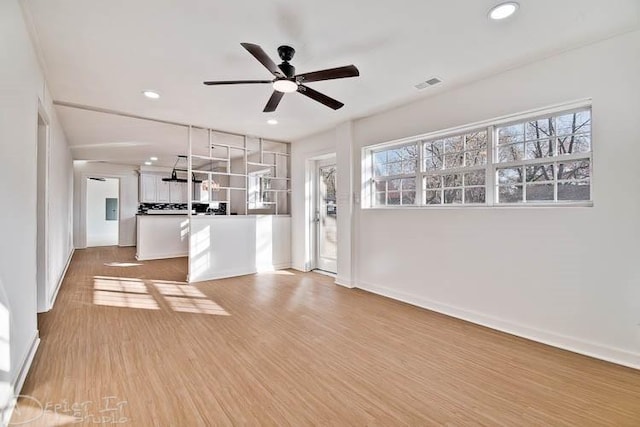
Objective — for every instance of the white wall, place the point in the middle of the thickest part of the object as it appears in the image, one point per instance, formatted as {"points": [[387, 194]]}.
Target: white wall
{"points": [[128, 201], [60, 210], [101, 232], [581, 290], [22, 85]]}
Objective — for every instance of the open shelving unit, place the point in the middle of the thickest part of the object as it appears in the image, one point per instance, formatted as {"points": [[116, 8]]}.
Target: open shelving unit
{"points": [[251, 176]]}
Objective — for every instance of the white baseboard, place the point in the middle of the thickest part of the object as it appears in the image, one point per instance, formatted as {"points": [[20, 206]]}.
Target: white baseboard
{"points": [[18, 381], [225, 274], [130, 245], [342, 281], [283, 266], [598, 351], [304, 267], [161, 256], [53, 297], [324, 273]]}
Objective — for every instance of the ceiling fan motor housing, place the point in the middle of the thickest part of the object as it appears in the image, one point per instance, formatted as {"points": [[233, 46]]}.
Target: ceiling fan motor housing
{"points": [[288, 69], [286, 54]]}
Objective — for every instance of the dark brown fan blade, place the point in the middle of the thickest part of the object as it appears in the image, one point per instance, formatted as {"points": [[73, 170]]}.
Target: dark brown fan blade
{"points": [[236, 82], [330, 74], [264, 59], [320, 97], [273, 102]]}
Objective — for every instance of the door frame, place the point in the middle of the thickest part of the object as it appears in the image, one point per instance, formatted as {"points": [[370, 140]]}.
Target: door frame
{"points": [[83, 204], [312, 205], [42, 210]]}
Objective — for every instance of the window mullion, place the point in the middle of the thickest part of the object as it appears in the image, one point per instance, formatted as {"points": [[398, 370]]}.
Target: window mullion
{"points": [[490, 172], [419, 199], [386, 192], [524, 183], [555, 182]]}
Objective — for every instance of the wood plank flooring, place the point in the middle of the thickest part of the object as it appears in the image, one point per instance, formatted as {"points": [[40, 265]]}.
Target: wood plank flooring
{"points": [[287, 348]]}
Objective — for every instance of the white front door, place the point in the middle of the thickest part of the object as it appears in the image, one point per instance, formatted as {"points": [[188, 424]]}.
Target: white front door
{"points": [[326, 217]]}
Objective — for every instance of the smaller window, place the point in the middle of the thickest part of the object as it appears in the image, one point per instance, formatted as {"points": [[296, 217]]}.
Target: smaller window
{"points": [[455, 169], [545, 160], [394, 175]]}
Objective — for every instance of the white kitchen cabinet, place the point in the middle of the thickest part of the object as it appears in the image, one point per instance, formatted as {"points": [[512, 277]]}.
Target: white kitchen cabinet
{"points": [[197, 191], [164, 190], [154, 190], [148, 188], [178, 192]]}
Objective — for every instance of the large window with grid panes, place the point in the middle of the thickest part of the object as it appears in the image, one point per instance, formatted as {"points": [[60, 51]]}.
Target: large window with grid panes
{"points": [[527, 160]]}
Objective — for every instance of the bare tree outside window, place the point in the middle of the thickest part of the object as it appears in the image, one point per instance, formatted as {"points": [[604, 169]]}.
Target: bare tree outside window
{"points": [[553, 138], [455, 169]]}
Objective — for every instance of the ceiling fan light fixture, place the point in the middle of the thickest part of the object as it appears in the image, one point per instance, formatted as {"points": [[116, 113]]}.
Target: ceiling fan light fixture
{"points": [[272, 121], [147, 163], [503, 10], [285, 86]]}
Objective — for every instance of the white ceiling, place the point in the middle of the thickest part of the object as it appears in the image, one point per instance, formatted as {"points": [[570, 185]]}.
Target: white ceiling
{"points": [[105, 53]]}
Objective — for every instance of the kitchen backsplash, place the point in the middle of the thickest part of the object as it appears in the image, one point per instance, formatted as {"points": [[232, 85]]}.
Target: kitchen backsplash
{"points": [[220, 208], [144, 207]]}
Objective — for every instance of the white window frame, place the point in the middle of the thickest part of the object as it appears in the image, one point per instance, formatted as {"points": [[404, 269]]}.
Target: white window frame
{"points": [[491, 167], [461, 170], [387, 178], [554, 160]]}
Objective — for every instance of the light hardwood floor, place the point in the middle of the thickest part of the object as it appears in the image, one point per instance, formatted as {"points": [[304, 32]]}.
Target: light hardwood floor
{"points": [[287, 348]]}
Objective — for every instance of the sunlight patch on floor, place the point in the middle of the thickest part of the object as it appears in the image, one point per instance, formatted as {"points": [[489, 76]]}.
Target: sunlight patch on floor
{"points": [[196, 305], [134, 293], [118, 284], [173, 289], [123, 299]]}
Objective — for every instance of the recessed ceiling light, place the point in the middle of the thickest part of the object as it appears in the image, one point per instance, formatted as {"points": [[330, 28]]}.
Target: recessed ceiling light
{"points": [[147, 163], [503, 10], [272, 121], [153, 159], [285, 86], [151, 94]]}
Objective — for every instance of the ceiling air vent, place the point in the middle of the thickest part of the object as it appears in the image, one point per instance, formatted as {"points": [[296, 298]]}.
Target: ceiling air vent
{"points": [[431, 82]]}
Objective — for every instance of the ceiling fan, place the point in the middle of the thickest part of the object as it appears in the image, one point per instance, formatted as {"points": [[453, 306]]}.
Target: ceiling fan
{"points": [[286, 80]]}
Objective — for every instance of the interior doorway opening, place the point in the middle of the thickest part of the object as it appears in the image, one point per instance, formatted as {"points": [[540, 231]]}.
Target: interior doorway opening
{"points": [[103, 211]]}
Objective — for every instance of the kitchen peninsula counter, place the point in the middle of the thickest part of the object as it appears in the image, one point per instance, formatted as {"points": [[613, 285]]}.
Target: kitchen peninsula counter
{"points": [[234, 245], [221, 245], [162, 236]]}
